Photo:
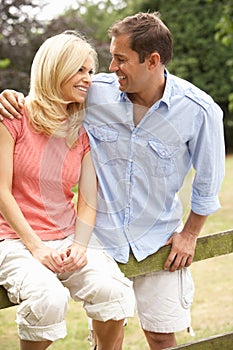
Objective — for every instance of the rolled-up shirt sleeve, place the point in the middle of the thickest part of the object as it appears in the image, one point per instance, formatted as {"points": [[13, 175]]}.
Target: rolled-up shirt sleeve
{"points": [[208, 158]]}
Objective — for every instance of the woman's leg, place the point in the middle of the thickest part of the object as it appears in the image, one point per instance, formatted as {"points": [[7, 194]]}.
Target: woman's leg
{"points": [[119, 338], [108, 334], [107, 295], [42, 299]]}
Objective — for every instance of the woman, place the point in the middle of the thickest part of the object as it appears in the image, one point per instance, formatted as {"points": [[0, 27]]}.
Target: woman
{"points": [[43, 248]]}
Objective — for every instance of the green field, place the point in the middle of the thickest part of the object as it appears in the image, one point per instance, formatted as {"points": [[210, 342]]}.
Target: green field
{"points": [[213, 304]]}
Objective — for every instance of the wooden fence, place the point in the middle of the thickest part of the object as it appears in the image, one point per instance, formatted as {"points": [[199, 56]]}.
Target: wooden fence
{"points": [[210, 246]]}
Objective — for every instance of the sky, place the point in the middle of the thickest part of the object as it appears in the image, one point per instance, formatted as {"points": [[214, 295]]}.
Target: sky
{"points": [[55, 8]]}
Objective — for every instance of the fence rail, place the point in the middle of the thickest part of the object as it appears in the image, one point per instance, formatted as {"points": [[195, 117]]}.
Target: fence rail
{"points": [[218, 342], [209, 246]]}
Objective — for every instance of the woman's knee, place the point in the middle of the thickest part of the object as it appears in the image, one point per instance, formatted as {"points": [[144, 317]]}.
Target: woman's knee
{"points": [[56, 302], [47, 306], [111, 290], [111, 301]]}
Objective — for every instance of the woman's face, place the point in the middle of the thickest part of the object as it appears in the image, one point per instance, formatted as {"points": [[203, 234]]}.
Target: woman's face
{"points": [[76, 88]]}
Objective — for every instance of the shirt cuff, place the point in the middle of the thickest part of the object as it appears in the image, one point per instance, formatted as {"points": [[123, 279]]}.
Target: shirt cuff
{"points": [[204, 205]]}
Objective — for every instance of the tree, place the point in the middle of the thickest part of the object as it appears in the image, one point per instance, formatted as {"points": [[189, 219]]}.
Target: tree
{"points": [[198, 57], [195, 25], [97, 17], [225, 25], [17, 29], [23, 34], [224, 34]]}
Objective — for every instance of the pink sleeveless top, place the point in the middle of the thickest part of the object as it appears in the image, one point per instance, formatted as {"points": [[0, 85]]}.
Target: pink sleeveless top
{"points": [[45, 170]]}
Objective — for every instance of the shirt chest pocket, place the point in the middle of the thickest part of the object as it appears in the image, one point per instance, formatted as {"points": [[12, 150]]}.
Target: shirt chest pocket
{"points": [[162, 158], [104, 143]]}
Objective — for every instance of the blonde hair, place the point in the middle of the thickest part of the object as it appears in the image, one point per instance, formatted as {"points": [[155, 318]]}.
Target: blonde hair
{"points": [[56, 61]]}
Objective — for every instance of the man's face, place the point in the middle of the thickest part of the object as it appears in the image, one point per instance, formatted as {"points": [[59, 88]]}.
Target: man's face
{"points": [[133, 75]]}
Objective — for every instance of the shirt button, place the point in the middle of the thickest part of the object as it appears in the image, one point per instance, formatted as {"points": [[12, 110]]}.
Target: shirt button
{"points": [[163, 153]]}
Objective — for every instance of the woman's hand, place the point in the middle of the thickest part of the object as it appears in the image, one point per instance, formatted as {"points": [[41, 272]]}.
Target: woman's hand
{"points": [[11, 104], [74, 257], [49, 257]]}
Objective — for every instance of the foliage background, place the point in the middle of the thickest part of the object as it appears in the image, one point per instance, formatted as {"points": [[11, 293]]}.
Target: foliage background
{"points": [[203, 54], [202, 33]]}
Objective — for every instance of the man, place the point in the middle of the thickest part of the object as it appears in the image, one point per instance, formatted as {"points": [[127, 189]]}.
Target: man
{"points": [[147, 128]]}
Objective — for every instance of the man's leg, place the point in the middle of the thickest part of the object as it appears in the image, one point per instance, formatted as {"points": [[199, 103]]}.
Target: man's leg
{"points": [[109, 334], [159, 341], [34, 345], [163, 303]]}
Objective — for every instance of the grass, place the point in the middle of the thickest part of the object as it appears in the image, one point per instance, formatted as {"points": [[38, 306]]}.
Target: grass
{"points": [[212, 308]]}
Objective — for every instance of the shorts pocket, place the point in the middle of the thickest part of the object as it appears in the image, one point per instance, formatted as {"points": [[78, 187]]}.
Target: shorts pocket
{"points": [[186, 288]]}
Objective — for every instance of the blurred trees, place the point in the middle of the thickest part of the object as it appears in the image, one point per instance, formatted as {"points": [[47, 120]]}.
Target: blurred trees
{"points": [[199, 29], [202, 33], [18, 42], [225, 35]]}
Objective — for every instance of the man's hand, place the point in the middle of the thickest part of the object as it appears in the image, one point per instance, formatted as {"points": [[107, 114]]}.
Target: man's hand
{"points": [[182, 250], [184, 243], [11, 104]]}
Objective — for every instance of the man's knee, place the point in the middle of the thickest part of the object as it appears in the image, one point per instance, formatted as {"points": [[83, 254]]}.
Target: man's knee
{"points": [[158, 341]]}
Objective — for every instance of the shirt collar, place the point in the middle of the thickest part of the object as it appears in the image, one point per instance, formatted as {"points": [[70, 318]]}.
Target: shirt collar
{"points": [[166, 98], [166, 95]]}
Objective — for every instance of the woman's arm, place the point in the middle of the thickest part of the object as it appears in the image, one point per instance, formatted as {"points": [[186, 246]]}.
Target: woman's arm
{"points": [[11, 104], [11, 212], [86, 214]]}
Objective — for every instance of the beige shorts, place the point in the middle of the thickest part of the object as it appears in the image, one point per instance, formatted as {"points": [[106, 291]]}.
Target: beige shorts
{"points": [[164, 299], [43, 296]]}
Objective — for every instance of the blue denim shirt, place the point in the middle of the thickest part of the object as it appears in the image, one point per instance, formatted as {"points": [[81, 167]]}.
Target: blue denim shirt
{"points": [[141, 169]]}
